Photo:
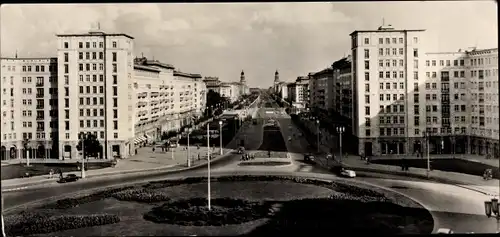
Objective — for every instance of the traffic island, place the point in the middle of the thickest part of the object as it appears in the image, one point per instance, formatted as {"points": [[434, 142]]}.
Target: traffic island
{"points": [[240, 205]]}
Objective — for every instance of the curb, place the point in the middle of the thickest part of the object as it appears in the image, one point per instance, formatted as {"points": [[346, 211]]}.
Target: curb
{"points": [[423, 177], [25, 186]]}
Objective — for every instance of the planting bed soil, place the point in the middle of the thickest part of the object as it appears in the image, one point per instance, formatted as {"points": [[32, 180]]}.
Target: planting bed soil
{"points": [[240, 205], [265, 163]]}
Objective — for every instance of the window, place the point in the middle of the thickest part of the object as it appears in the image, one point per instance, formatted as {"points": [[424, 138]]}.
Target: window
{"points": [[115, 80], [66, 57], [367, 110], [367, 65], [415, 53], [80, 67], [367, 132], [387, 40], [80, 55], [80, 45], [381, 52], [114, 55], [367, 87], [101, 55], [115, 125], [115, 68], [94, 55], [114, 44], [415, 75], [401, 51], [381, 40], [367, 41], [381, 74], [367, 55], [66, 68], [415, 40], [367, 99], [66, 45], [115, 91], [94, 44], [401, 40], [87, 45], [367, 77]]}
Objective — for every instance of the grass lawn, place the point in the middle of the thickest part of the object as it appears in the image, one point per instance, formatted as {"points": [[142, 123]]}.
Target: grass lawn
{"points": [[297, 208], [272, 140], [18, 170], [450, 165]]}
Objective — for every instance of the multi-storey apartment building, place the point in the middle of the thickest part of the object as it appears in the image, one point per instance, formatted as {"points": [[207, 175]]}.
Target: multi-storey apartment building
{"points": [[166, 99], [321, 89], [342, 80], [461, 101], [230, 90], [212, 84], [95, 72], [29, 117], [403, 96], [298, 92], [386, 63]]}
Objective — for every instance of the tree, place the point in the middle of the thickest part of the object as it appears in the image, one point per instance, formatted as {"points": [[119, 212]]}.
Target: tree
{"points": [[92, 146]]}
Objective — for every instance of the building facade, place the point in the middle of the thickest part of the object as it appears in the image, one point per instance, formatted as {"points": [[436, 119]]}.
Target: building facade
{"points": [[404, 95], [342, 80], [298, 92], [93, 85], [230, 90], [321, 89], [95, 72], [29, 109]]}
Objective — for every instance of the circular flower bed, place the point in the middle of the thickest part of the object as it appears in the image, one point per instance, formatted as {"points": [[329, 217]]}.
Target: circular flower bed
{"points": [[195, 212]]}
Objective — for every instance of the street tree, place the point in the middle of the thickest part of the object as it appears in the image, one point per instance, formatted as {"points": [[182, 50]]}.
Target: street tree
{"points": [[92, 147]]}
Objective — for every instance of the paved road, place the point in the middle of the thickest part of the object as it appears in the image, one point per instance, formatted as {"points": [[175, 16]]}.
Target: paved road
{"points": [[453, 207]]}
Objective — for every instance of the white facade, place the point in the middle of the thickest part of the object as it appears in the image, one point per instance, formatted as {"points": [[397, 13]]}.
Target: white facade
{"points": [[230, 91], [392, 59], [95, 72], [28, 107]]}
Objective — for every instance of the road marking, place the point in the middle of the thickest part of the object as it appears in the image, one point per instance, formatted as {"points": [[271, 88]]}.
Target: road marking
{"points": [[14, 189]]}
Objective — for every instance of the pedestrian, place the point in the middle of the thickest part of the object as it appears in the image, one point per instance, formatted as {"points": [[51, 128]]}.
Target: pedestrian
{"points": [[51, 172], [136, 151], [153, 149], [198, 156]]}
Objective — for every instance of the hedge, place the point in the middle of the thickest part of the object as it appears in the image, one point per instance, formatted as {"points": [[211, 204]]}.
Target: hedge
{"points": [[141, 195], [30, 223]]}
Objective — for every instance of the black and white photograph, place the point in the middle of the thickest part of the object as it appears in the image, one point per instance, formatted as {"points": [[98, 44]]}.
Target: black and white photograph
{"points": [[249, 118]]}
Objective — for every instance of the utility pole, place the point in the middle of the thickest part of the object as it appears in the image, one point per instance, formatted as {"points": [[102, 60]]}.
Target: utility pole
{"points": [[208, 161]]}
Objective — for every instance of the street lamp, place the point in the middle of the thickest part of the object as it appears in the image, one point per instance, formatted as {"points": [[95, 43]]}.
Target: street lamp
{"points": [[453, 141], [317, 134], [82, 139], [340, 130], [491, 209], [208, 160], [427, 135], [188, 148], [220, 137]]}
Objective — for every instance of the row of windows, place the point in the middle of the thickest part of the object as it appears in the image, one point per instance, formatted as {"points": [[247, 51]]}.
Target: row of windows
{"points": [[460, 62], [388, 40], [395, 52], [38, 68], [101, 134], [87, 45], [387, 109]]}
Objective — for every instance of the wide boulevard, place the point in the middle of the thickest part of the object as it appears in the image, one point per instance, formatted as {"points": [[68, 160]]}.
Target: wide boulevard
{"points": [[452, 206]]}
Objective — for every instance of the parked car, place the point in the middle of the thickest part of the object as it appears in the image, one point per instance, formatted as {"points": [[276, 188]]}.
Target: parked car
{"points": [[289, 138], [69, 178], [309, 157], [444, 231], [241, 150]]}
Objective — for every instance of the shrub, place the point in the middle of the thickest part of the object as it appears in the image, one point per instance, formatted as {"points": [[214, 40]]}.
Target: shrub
{"points": [[194, 212], [141, 195], [36, 223], [73, 202], [265, 163]]}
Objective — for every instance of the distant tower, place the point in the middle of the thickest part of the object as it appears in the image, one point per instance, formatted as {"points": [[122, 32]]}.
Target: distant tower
{"points": [[276, 77], [242, 78]]}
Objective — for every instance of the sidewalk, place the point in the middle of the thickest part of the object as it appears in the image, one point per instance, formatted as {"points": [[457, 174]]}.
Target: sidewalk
{"points": [[147, 160], [472, 182]]}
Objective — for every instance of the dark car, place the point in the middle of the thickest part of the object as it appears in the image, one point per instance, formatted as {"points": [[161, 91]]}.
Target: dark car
{"points": [[309, 157], [69, 178]]}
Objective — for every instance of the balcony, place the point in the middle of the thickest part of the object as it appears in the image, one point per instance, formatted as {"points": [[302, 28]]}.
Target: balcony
{"points": [[39, 129], [40, 107], [40, 118], [445, 90], [39, 84], [40, 95]]}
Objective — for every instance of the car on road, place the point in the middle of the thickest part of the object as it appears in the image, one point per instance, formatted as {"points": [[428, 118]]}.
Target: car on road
{"points": [[69, 178], [444, 231], [309, 157], [241, 150], [348, 173], [289, 138]]}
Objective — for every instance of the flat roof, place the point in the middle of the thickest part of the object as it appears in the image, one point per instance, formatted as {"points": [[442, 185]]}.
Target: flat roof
{"points": [[39, 58], [380, 31], [142, 67], [94, 34]]}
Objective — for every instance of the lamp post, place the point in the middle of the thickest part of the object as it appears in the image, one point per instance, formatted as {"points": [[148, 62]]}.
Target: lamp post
{"points": [[27, 147], [317, 135], [453, 141], [3, 223], [188, 148], [340, 130], [491, 209], [427, 135], [82, 139], [208, 161], [220, 137]]}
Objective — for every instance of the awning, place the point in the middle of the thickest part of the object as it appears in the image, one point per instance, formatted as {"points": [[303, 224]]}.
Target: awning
{"points": [[139, 139]]}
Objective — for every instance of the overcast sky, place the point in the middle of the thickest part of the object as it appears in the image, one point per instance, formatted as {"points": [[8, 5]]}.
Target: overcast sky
{"points": [[223, 39]]}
